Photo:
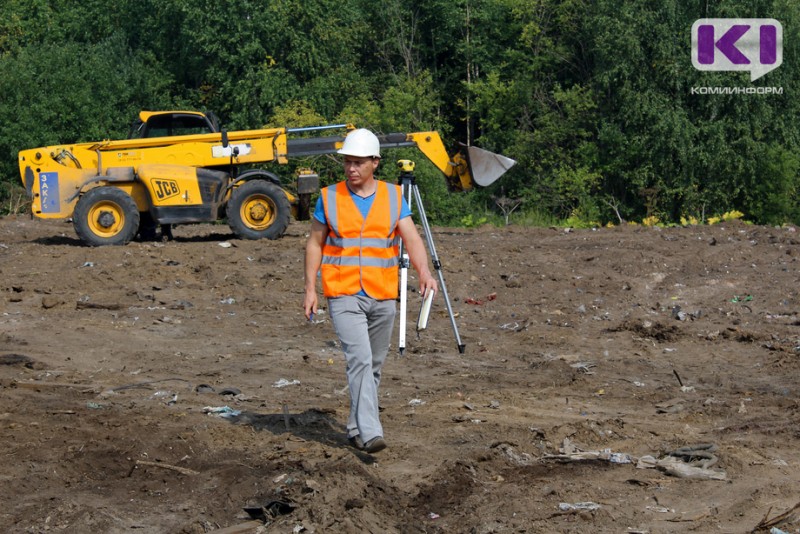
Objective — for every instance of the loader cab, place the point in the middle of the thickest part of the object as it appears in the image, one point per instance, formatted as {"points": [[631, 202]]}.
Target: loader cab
{"points": [[170, 123]]}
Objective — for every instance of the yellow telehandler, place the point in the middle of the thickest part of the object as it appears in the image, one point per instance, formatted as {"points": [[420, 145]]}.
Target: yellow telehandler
{"points": [[180, 167]]}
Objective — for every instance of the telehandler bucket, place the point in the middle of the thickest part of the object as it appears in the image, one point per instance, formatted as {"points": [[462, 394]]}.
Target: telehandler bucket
{"points": [[486, 167]]}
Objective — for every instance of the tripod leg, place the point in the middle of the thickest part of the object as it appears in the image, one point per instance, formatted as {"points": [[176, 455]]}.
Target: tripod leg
{"points": [[404, 264], [437, 265], [404, 261]]}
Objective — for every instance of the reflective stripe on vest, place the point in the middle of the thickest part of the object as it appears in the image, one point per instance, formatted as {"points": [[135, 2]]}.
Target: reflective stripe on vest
{"points": [[361, 253]]}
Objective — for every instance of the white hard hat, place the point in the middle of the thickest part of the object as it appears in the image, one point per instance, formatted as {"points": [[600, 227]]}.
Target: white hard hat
{"points": [[361, 143]]}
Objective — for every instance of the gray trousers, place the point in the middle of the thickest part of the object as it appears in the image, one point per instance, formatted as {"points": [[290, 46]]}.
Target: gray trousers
{"points": [[364, 327]]}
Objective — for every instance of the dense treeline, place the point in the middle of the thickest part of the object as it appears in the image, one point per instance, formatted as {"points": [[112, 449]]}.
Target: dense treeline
{"points": [[594, 98]]}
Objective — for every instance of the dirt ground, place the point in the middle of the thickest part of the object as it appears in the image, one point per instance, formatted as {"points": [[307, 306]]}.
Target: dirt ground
{"points": [[620, 380]]}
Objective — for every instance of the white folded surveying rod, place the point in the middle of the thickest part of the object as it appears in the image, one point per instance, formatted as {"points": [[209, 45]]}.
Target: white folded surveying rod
{"points": [[411, 193]]}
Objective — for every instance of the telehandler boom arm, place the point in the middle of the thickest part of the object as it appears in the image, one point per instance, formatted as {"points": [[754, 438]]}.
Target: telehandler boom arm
{"points": [[462, 171]]}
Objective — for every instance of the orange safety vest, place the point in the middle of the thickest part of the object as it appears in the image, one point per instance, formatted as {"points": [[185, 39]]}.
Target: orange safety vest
{"points": [[361, 253]]}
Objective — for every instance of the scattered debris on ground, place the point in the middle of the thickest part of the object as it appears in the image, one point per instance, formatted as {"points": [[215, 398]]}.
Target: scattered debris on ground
{"points": [[624, 379]]}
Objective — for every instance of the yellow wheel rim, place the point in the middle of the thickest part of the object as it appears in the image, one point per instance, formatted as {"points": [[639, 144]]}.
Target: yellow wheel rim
{"points": [[106, 219], [258, 212]]}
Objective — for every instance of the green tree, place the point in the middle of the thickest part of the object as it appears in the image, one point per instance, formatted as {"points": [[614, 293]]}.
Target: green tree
{"points": [[539, 107], [71, 92], [668, 152]]}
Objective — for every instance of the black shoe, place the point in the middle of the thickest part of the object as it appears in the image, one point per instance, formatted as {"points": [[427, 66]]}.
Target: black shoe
{"points": [[375, 445], [356, 442]]}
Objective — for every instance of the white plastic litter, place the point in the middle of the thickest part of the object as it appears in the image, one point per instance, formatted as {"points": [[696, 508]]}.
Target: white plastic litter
{"points": [[221, 411], [578, 506], [282, 383]]}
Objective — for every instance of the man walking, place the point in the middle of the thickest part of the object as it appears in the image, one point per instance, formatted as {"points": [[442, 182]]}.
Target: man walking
{"points": [[354, 243]]}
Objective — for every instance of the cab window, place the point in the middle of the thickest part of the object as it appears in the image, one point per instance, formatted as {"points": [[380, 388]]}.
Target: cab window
{"points": [[170, 125]]}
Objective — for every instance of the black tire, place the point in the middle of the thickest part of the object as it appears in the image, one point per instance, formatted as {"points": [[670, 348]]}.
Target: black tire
{"points": [[106, 216], [147, 227], [258, 210]]}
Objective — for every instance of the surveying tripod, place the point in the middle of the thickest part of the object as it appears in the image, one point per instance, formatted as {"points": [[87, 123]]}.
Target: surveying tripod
{"points": [[411, 193]]}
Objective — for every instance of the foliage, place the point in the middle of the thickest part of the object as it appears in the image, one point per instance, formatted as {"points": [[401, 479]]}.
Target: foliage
{"points": [[593, 98], [86, 93], [471, 221], [672, 152], [732, 215], [15, 199]]}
